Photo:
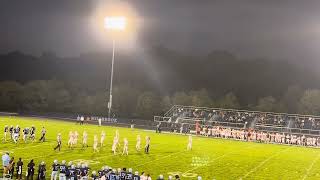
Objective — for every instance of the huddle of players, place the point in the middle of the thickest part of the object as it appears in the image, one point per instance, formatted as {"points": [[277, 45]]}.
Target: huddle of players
{"points": [[81, 171], [14, 132]]}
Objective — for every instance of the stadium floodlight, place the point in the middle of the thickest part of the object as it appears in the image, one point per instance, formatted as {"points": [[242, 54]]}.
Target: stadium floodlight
{"points": [[113, 23], [117, 23]]}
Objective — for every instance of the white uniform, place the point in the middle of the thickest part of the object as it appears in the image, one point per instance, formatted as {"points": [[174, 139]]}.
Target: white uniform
{"points": [[103, 135], [71, 139], [99, 120], [125, 147], [95, 143], [189, 147], [138, 145], [75, 139], [84, 139], [114, 145]]}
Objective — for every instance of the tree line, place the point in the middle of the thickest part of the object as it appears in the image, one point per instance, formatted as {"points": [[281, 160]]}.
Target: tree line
{"points": [[132, 102]]}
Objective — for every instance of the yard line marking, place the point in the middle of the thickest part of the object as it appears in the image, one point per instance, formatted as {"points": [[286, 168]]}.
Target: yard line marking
{"points": [[163, 157], [263, 162], [219, 157], [310, 167]]}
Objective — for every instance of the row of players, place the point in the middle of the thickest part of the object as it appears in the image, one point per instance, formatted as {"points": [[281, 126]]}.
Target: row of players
{"points": [[73, 140], [72, 172], [28, 133], [259, 136]]}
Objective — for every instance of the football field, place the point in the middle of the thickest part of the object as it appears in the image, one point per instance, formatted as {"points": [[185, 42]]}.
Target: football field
{"points": [[210, 158]]}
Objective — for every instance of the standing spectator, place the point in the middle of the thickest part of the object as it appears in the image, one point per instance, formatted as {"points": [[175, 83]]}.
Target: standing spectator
{"points": [[11, 167], [42, 171], [99, 120], [30, 171], [5, 163], [19, 169], [81, 120]]}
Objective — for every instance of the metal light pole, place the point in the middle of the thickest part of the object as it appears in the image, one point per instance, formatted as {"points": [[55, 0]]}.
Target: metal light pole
{"points": [[113, 23], [111, 81]]}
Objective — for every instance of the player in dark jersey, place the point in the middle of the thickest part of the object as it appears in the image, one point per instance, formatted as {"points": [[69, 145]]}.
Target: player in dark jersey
{"points": [[94, 176], [11, 131], [32, 133], [123, 174], [112, 175], [68, 167], [101, 172], [84, 171], [129, 175], [25, 134], [55, 169], [78, 171], [30, 172], [42, 171], [62, 170], [72, 173], [19, 169], [136, 176]]}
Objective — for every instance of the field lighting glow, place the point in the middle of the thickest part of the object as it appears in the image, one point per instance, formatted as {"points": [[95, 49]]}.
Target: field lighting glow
{"points": [[115, 23]]}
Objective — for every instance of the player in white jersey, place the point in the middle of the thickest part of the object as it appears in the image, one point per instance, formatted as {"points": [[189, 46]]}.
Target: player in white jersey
{"points": [[71, 139], [84, 139], [117, 134], [103, 136], [6, 131], [138, 144], [125, 147], [114, 145], [76, 135], [95, 143], [189, 147]]}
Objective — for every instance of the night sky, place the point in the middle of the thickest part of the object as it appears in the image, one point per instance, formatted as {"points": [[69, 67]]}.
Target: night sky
{"points": [[288, 29]]}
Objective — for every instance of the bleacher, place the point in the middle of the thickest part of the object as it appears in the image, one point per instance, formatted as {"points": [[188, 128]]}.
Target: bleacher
{"points": [[179, 116]]}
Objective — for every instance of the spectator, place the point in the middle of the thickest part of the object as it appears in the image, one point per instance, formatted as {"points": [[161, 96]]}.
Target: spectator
{"points": [[6, 162], [42, 171], [30, 171], [19, 169]]}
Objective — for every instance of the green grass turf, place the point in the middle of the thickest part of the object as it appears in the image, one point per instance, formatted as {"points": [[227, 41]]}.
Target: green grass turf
{"points": [[211, 158]]}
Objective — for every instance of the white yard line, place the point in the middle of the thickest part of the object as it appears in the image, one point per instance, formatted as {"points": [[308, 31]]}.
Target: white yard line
{"points": [[310, 167], [263, 162], [163, 157], [219, 157]]}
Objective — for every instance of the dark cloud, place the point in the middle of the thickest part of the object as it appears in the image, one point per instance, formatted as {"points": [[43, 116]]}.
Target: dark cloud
{"points": [[268, 29]]}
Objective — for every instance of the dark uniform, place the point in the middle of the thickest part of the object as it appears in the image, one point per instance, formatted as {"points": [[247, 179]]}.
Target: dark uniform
{"points": [[112, 176], [32, 132], [62, 169], [123, 174], [129, 176], [19, 169], [72, 174], [136, 177], [30, 170], [42, 172], [94, 177]]}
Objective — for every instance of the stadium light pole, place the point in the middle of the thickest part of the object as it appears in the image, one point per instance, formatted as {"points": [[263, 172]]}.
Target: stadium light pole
{"points": [[115, 24]]}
